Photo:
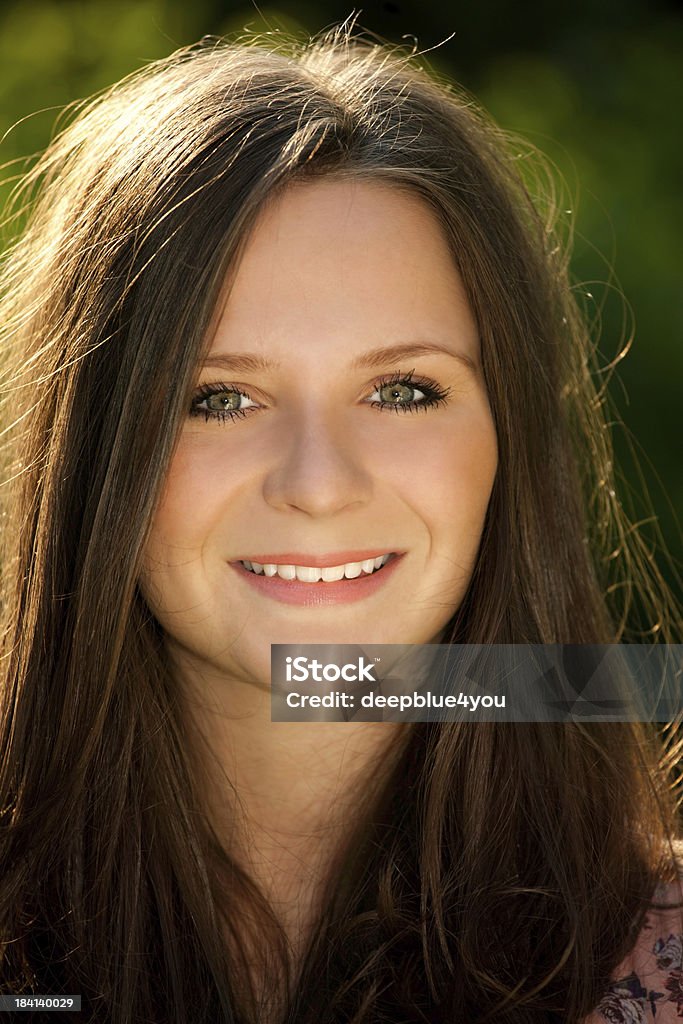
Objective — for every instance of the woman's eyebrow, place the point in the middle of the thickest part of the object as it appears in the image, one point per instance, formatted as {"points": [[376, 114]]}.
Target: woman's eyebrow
{"points": [[380, 356], [237, 361], [244, 361]]}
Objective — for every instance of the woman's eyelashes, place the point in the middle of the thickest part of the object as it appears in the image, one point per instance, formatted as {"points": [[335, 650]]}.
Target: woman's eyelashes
{"points": [[401, 392]]}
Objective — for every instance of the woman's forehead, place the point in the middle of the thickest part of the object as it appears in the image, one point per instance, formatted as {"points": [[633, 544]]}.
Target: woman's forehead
{"points": [[346, 261]]}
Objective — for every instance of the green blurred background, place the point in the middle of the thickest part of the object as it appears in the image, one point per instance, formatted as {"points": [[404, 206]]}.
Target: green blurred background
{"points": [[595, 84]]}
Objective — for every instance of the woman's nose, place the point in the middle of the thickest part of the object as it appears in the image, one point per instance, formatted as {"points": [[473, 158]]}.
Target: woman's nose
{"points": [[320, 470]]}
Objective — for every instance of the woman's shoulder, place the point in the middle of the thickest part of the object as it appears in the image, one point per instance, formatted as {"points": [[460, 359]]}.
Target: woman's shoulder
{"points": [[647, 986]]}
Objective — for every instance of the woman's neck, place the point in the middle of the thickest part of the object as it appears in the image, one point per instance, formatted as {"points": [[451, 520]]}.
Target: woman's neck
{"points": [[283, 796]]}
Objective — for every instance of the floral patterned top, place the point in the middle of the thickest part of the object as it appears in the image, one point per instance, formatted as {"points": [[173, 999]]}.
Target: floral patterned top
{"points": [[647, 986]]}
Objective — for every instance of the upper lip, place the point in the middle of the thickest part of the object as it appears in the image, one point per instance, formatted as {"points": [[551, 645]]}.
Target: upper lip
{"points": [[317, 561]]}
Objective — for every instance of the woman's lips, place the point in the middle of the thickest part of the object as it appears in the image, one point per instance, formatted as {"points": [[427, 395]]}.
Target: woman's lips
{"points": [[338, 592]]}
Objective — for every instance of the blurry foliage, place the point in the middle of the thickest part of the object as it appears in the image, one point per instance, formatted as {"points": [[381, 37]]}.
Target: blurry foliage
{"points": [[597, 87]]}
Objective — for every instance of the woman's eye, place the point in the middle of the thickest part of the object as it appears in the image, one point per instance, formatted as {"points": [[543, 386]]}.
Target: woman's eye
{"points": [[221, 403], [402, 394], [229, 401], [398, 394]]}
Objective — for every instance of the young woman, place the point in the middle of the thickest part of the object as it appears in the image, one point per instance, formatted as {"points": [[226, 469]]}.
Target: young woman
{"points": [[281, 314]]}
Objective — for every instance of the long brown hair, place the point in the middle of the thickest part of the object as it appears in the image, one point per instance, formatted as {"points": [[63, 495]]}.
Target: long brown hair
{"points": [[501, 870]]}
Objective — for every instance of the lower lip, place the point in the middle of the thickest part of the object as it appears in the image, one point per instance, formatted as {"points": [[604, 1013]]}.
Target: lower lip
{"points": [[320, 593]]}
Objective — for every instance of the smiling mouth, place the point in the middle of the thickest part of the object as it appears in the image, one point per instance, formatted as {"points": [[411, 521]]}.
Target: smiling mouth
{"points": [[315, 574]]}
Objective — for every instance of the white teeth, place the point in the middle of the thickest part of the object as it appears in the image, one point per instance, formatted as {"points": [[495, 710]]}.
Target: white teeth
{"points": [[308, 574], [312, 574]]}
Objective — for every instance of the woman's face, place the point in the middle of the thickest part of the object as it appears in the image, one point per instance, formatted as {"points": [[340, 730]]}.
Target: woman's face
{"points": [[341, 416]]}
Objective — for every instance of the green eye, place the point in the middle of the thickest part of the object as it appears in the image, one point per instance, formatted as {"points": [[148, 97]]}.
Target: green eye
{"points": [[223, 401], [220, 402], [402, 393], [398, 394]]}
